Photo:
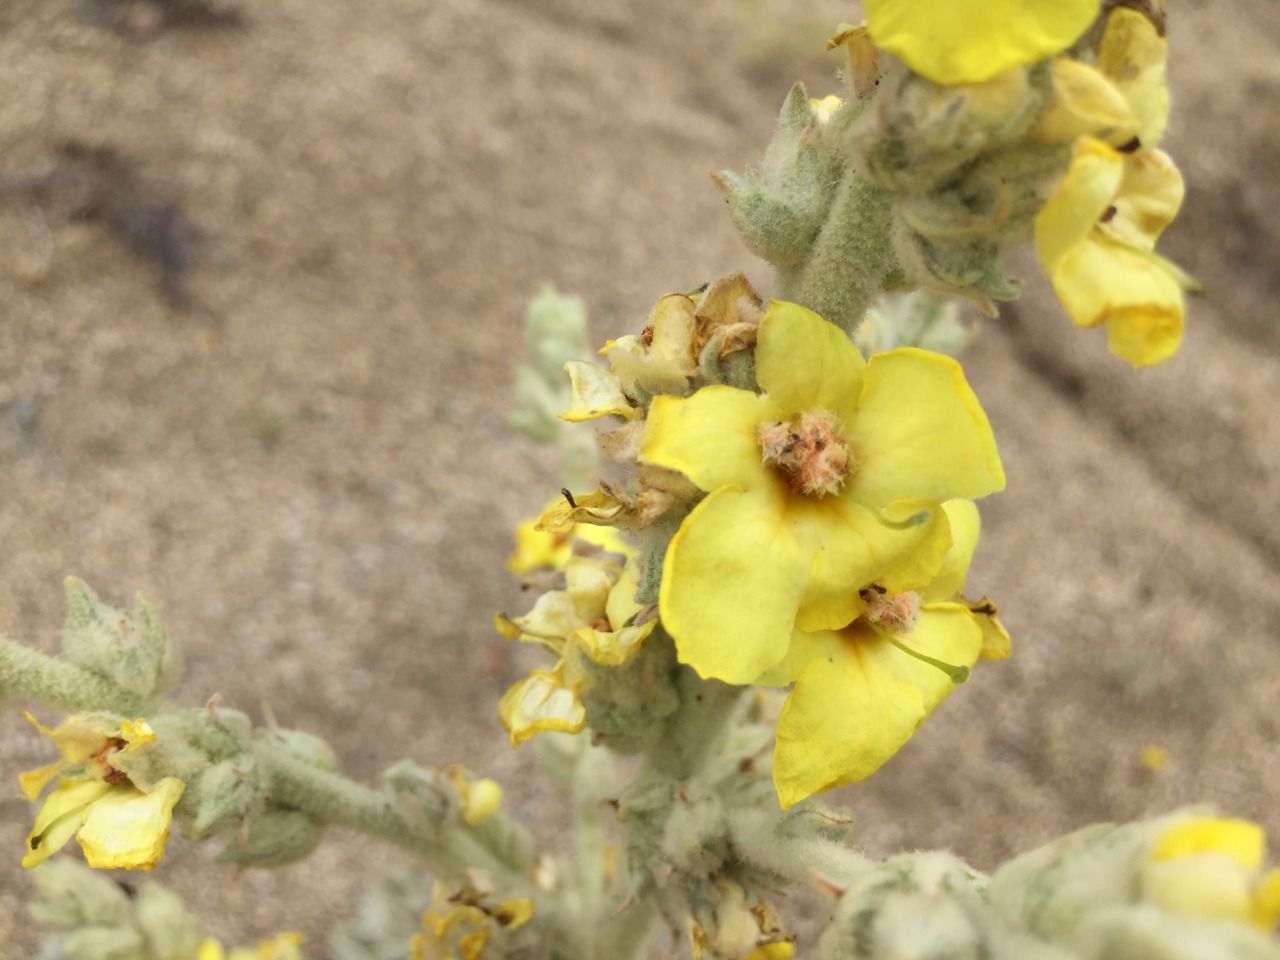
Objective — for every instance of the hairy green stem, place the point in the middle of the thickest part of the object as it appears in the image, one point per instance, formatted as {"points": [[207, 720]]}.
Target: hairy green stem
{"points": [[849, 260], [591, 870], [28, 673], [694, 731], [332, 798]]}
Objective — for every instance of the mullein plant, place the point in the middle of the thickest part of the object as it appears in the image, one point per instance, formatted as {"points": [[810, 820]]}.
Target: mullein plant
{"points": [[762, 598]]}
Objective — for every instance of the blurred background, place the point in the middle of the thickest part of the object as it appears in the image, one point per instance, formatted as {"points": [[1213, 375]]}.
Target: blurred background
{"points": [[263, 267]]}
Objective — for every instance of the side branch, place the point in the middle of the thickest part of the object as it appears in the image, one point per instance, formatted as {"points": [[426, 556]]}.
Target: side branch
{"points": [[28, 673]]}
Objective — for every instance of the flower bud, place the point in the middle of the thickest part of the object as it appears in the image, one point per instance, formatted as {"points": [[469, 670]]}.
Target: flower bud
{"points": [[275, 838], [420, 796], [1176, 887], [696, 839], [97, 919], [92, 943], [221, 796], [308, 748], [171, 932], [922, 133], [780, 208], [1154, 935], [1049, 891], [209, 750], [129, 647], [927, 906], [71, 895]]}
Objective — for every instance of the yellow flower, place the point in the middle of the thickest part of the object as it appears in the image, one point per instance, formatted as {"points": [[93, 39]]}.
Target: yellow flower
{"points": [[1096, 236], [283, 946], [455, 930], [684, 332], [480, 798], [1211, 868], [118, 824], [742, 930], [596, 393], [538, 548], [579, 515], [967, 41], [592, 618], [830, 480], [663, 358], [859, 695]]}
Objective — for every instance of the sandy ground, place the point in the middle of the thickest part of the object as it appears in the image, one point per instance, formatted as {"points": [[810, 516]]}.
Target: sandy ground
{"points": [[296, 448]]}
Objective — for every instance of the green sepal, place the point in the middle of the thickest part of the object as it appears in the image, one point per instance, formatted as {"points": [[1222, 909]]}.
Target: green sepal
{"points": [[131, 647], [276, 838]]}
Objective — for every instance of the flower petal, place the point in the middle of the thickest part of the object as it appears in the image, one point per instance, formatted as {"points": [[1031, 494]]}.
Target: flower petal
{"points": [[79, 737], [612, 648], [996, 643], [538, 703], [846, 716], [283, 946], [1148, 199], [621, 607], [1266, 902], [710, 437], [805, 363], [859, 699], [554, 616], [805, 647], [596, 507], [1089, 188], [136, 733], [667, 363], [33, 781], [60, 817], [558, 613], [1085, 104], [945, 631], [596, 393], [1132, 55], [513, 913], [538, 550], [920, 432], [918, 566], [127, 829], [962, 517], [1102, 281], [1242, 841], [951, 42], [731, 583], [851, 548]]}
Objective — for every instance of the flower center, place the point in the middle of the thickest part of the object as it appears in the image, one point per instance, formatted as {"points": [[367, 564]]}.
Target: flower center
{"points": [[103, 760], [809, 450], [890, 615], [894, 613]]}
